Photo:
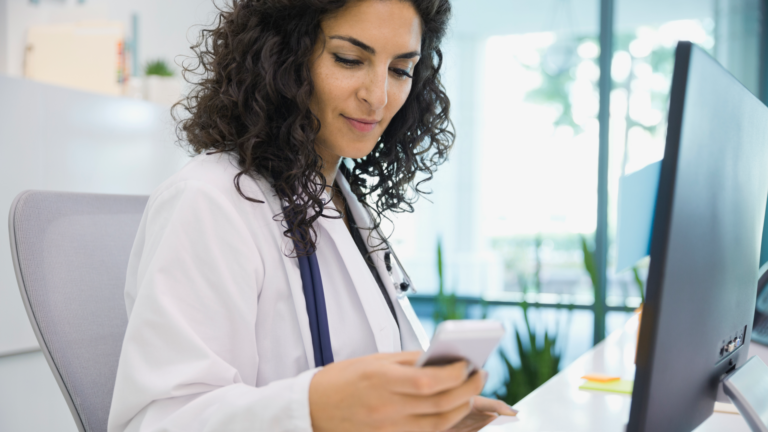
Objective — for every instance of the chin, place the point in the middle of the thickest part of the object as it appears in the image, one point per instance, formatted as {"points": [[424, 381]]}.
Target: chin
{"points": [[359, 151]]}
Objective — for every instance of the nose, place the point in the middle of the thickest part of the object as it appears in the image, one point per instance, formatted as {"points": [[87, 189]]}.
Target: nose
{"points": [[374, 90]]}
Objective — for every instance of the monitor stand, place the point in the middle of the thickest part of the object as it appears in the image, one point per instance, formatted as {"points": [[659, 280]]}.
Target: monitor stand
{"points": [[747, 387]]}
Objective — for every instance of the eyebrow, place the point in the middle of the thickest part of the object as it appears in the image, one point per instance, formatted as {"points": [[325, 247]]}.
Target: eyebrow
{"points": [[367, 48]]}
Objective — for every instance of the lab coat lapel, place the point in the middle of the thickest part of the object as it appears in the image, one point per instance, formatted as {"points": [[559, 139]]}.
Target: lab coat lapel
{"points": [[376, 310], [291, 268], [412, 334]]}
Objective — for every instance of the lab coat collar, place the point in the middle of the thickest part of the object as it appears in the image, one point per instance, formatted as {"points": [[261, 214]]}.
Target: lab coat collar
{"points": [[291, 268], [412, 334], [380, 319], [376, 310]]}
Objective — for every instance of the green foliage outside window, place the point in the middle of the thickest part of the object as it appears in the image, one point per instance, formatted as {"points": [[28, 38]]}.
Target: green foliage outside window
{"points": [[540, 355], [540, 352], [591, 267], [447, 306]]}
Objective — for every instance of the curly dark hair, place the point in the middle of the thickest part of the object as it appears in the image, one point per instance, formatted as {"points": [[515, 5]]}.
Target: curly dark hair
{"points": [[251, 96]]}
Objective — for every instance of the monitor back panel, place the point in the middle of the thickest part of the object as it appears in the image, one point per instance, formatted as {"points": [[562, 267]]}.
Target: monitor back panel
{"points": [[705, 245]]}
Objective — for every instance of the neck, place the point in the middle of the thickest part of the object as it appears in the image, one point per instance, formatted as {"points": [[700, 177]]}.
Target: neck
{"points": [[329, 171], [330, 167]]}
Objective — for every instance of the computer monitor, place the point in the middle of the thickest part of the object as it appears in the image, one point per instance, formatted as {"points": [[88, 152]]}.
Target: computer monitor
{"points": [[705, 246]]}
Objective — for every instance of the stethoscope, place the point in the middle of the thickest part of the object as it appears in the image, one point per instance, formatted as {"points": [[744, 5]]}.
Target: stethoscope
{"points": [[402, 284], [317, 314], [400, 287]]}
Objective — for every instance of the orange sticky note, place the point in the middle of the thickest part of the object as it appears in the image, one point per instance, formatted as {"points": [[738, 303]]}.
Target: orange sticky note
{"points": [[595, 377]]}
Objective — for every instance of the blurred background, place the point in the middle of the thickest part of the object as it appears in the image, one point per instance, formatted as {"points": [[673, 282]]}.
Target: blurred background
{"points": [[521, 225]]}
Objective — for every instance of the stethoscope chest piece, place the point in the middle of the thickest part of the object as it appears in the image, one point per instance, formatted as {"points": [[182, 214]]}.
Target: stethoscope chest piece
{"points": [[402, 285]]}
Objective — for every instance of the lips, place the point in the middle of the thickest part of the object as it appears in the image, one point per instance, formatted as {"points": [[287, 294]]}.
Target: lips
{"points": [[361, 125]]}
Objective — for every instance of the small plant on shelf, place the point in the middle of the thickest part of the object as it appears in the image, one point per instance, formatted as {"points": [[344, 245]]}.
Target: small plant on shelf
{"points": [[158, 68]]}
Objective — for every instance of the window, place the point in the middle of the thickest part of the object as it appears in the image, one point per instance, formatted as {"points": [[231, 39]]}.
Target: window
{"points": [[519, 193], [643, 63]]}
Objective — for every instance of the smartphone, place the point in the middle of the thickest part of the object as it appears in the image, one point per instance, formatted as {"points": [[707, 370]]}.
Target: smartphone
{"points": [[456, 340]]}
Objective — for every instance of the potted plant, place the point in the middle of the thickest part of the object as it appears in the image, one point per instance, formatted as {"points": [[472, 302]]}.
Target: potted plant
{"points": [[160, 85], [539, 357]]}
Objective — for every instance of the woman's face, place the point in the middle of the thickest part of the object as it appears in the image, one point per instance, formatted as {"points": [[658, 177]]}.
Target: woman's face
{"points": [[361, 69]]}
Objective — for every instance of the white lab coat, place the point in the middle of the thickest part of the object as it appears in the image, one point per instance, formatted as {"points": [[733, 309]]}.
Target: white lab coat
{"points": [[218, 336]]}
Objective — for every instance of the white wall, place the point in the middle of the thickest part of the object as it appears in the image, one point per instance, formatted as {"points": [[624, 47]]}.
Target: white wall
{"points": [[60, 139], [3, 36], [54, 138], [163, 24], [30, 400]]}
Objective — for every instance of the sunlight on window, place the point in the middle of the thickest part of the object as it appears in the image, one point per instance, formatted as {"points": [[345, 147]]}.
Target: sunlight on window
{"points": [[642, 73], [537, 149], [539, 138]]}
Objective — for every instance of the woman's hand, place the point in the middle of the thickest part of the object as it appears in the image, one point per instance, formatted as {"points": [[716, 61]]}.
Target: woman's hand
{"points": [[484, 411], [384, 392]]}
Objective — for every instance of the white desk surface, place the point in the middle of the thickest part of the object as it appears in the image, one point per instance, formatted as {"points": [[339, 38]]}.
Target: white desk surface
{"points": [[559, 405]]}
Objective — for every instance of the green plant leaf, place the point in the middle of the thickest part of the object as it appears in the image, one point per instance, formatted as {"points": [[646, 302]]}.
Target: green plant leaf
{"points": [[589, 262], [447, 306], [158, 68], [640, 284], [539, 361]]}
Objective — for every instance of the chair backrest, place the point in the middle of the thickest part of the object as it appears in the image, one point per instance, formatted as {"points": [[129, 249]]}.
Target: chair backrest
{"points": [[70, 252]]}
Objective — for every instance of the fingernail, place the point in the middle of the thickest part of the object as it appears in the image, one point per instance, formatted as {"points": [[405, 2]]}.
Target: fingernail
{"points": [[508, 411]]}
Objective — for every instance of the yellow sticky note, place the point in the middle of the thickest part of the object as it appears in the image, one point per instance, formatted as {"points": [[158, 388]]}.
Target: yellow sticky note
{"points": [[617, 386], [600, 377]]}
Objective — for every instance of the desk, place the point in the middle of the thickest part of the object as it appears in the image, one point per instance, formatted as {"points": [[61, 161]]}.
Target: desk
{"points": [[559, 405]]}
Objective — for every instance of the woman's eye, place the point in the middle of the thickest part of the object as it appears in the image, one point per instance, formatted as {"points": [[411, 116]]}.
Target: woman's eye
{"points": [[402, 73], [346, 61]]}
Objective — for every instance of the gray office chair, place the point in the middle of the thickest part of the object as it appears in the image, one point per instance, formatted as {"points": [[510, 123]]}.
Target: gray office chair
{"points": [[70, 252]]}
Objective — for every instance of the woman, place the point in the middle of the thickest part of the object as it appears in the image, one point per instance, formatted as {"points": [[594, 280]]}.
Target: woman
{"points": [[219, 336]]}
